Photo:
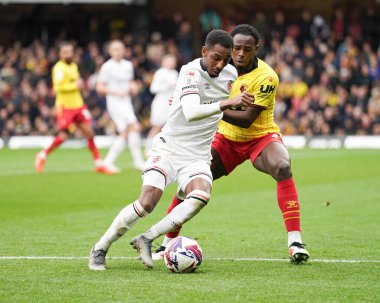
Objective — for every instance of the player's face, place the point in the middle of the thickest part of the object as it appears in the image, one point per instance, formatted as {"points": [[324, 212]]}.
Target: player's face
{"points": [[244, 50], [117, 50], [66, 53], [215, 59]]}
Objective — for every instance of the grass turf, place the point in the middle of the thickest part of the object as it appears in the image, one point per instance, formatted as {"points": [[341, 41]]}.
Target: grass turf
{"points": [[63, 211]]}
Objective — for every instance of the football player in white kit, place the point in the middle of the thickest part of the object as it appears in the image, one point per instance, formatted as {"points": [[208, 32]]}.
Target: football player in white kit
{"points": [[163, 84], [115, 80], [182, 151]]}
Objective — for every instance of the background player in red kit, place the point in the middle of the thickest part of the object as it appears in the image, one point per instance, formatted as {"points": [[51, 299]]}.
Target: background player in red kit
{"points": [[70, 108], [252, 134]]}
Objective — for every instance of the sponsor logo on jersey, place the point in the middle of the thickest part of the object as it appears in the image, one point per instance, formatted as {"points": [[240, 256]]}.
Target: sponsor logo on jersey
{"points": [[267, 89], [189, 86], [292, 204]]}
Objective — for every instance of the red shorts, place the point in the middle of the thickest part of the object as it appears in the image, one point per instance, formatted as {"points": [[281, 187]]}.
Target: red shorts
{"points": [[66, 117], [234, 153]]}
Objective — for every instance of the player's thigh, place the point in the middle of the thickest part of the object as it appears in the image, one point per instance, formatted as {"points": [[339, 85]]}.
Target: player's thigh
{"points": [[193, 175], [158, 171], [273, 155], [217, 167], [149, 197]]}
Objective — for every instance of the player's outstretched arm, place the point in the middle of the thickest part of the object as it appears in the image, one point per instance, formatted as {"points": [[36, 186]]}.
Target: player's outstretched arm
{"points": [[193, 109]]}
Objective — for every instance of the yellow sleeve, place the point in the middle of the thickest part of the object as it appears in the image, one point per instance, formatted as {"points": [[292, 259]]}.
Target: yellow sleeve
{"points": [[265, 90], [60, 83]]}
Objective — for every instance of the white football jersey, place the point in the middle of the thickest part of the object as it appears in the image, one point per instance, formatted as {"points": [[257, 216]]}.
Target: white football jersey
{"points": [[195, 138], [116, 76], [163, 84]]}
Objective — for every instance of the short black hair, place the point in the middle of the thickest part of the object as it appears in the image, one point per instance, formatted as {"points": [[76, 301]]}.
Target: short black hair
{"points": [[65, 43], [246, 29], [218, 36]]}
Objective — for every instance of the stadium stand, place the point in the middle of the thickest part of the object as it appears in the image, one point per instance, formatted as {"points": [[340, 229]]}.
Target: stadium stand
{"points": [[329, 72]]}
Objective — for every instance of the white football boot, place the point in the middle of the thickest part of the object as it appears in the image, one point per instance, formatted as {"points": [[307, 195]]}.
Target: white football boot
{"points": [[297, 253], [97, 259]]}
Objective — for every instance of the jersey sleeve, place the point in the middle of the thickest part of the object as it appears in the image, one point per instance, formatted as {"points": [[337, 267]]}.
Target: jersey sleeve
{"points": [[188, 82], [60, 83], [103, 75], [265, 90]]}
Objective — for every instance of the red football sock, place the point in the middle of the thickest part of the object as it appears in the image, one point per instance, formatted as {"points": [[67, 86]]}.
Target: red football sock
{"points": [[288, 202], [57, 142], [93, 149], [176, 201]]}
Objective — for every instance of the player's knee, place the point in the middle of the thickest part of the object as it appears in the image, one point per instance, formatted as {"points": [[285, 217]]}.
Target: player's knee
{"points": [[282, 170], [149, 198], [199, 198]]}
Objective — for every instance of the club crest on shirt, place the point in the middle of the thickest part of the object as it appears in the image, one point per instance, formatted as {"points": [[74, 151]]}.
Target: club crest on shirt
{"points": [[270, 79], [207, 85], [243, 88], [189, 77], [156, 159]]}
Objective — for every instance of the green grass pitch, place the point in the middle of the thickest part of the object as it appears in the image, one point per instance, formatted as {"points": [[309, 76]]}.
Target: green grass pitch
{"points": [[62, 212]]}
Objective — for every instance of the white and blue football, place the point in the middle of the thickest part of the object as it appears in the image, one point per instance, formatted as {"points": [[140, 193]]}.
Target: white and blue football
{"points": [[183, 255]]}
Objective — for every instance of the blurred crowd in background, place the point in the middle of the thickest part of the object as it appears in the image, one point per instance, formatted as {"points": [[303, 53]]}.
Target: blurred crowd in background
{"points": [[329, 72]]}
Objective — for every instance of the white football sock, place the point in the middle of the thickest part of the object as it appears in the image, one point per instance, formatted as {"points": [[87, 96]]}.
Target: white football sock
{"points": [[177, 217], [166, 241], [116, 149], [294, 236], [124, 221], [134, 143]]}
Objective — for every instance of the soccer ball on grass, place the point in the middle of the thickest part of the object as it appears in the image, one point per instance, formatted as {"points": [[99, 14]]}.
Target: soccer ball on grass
{"points": [[183, 255]]}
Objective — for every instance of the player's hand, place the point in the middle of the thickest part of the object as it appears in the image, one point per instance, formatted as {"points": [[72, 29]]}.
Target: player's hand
{"points": [[80, 83], [244, 99]]}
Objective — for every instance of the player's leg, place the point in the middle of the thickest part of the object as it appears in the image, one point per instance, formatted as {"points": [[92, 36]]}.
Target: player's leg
{"points": [[134, 144], [88, 133], [219, 151], [156, 176], [39, 162], [124, 221], [64, 118], [159, 253], [274, 160], [198, 194]]}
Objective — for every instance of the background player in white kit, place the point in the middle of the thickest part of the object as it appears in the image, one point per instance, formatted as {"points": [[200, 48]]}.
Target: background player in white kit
{"points": [[163, 84], [115, 80], [182, 151]]}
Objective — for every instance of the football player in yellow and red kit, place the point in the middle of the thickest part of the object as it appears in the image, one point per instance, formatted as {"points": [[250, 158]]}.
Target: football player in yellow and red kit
{"points": [[70, 108], [252, 134]]}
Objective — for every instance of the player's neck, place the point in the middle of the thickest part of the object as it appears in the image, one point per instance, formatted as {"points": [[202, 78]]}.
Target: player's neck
{"points": [[245, 70]]}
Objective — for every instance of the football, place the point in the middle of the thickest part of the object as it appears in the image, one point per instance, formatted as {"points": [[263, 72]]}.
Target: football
{"points": [[183, 255]]}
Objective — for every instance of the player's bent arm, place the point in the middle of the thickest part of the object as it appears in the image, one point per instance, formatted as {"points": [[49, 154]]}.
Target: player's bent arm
{"points": [[242, 118], [65, 87], [193, 110]]}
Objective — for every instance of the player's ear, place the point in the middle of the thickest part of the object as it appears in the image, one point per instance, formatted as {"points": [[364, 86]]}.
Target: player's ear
{"points": [[204, 51]]}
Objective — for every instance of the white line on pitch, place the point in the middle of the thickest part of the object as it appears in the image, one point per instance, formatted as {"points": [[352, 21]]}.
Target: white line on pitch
{"points": [[212, 259]]}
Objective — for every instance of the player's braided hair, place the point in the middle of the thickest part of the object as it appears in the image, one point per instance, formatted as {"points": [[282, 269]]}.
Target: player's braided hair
{"points": [[246, 29], [218, 36]]}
